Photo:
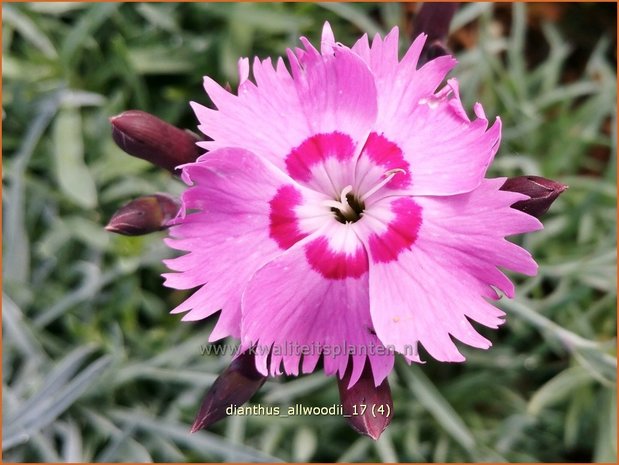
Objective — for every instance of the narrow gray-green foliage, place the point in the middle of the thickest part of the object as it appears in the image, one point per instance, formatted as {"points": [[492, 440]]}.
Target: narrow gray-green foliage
{"points": [[95, 368]]}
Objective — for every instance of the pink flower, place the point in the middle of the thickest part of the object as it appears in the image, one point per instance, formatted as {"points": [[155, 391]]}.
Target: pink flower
{"points": [[342, 204]]}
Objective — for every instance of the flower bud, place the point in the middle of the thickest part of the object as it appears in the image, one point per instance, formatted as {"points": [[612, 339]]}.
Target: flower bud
{"points": [[144, 215], [434, 19], [145, 136], [541, 190], [235, 386], [367, 408], [434, 50]]}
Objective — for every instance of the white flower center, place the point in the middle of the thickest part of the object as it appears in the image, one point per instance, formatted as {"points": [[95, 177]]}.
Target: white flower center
{"points": [[349, 208]]}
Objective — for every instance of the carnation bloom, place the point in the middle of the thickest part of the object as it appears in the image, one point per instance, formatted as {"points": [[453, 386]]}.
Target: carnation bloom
{"points": [[343, 204]]}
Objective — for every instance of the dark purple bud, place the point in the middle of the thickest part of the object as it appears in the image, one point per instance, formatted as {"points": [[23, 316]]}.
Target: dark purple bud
{"points": [[144, 215], [367, 408], [433, 50], [434, 19], [235, 386], [541, 190], [145, 136]]}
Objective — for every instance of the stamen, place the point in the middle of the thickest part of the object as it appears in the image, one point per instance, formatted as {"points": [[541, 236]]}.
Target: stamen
{"points": [[343, 206], [389, 176], [347, 190]]}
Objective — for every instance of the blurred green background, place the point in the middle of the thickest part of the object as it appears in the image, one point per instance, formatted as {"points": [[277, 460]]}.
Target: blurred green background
{"points": [[94, 367]]}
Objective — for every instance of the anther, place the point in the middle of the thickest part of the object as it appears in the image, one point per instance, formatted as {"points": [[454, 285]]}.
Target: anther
{"points": [[343, 208], [388, 177]]}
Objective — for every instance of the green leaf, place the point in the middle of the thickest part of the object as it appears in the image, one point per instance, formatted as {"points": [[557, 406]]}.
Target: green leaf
{"points": [[385, 448], [304, 445], [72, 175], [590, 354], [47, 409], [606, 437], [558, 388], [433, 401], [352, 12], [28, 29], [200, 442], [89, 22], [18, 333]]}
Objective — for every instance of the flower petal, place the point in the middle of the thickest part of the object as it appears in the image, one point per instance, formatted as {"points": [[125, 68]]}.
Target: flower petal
{"points": [[417, 300], [474, 225], [428, 290], [291, 306], [327, 41], [324, 162], [447, 153], [326, 93], [235, 230]]}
